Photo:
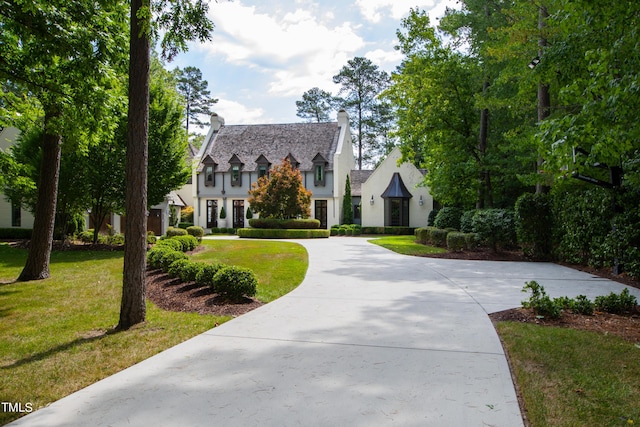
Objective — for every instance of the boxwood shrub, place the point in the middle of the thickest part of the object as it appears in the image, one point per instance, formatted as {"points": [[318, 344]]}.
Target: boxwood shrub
{"points": [[175, 231], [294, 224], [272, 233], [169, 258], [196, 231], [205, 275], [456, 241], [438, 237], [176, 267], [188, 242], [448, 217], [155, 254], [235, 282], [174, 244], [191, 270]]}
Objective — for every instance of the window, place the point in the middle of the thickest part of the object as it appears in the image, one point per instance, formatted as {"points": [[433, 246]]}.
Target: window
{"points": [[263, 170], [236, 176], [209, 176], [16, 216], [319, 164], [319, 174]]}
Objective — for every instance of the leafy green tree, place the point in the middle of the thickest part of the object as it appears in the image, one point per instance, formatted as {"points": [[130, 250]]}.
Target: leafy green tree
{"points": [[63, 55], [316, 105], [361, 84], [281, 195], [197, 97]]}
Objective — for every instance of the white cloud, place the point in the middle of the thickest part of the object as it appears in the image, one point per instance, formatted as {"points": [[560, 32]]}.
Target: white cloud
{"points": [[236, 113], [374, 10], [300, 49]]}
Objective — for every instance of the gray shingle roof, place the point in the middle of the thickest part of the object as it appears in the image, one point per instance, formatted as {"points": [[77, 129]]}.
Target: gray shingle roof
{"points": [[358, 177], [275, 142]]}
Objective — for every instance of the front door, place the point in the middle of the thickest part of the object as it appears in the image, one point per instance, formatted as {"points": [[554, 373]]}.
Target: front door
{"points": [[321, 212], [212, 213], [238, 214]]}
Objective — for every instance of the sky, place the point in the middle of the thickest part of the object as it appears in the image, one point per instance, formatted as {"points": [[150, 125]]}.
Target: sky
{"points": [[263, 55]]}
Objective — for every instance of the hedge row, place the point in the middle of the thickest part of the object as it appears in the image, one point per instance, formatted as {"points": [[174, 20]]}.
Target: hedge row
{"points": [[398, 231], [231, 282], [273, 233], [15, 233], [451, 239], [346, 230], [286, 224]]}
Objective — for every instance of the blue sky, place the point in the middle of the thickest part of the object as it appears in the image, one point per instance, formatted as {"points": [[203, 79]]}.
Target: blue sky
{"points": [[264, 55]]}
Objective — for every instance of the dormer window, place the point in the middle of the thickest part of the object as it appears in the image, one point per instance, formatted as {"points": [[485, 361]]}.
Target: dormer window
{"points": [[209, 171], [319, 165], [263, 166], [236, 171], [292, 161]]}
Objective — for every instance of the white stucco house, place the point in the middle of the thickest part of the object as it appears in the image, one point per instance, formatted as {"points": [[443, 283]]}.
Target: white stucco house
{"points": [[233, 157], [12, 216]]}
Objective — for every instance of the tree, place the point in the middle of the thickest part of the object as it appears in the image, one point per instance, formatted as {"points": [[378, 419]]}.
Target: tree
{"points": [[181, 20], [361, 82], [62, 54], [281, 195], [197, 97], [347, 206], [316, 105]]}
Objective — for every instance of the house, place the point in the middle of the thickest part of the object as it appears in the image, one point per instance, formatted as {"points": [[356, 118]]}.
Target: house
{"points": [[232, 158], [12, 216], [391, 195]]}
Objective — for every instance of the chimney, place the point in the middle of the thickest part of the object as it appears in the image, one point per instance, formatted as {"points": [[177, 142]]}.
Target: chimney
{"points": [[216, 122], [343, 118]]}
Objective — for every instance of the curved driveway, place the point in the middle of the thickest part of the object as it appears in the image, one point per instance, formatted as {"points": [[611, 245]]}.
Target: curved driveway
{"points": [[370, 338]]}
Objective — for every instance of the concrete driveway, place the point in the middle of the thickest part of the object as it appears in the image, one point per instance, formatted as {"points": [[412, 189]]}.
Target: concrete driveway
{"points": [[370, 338]]}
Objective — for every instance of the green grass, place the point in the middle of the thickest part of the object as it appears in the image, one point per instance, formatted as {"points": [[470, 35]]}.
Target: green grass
{"points": [[56, 335], [406, 245], [574, 378], [280, 266]]}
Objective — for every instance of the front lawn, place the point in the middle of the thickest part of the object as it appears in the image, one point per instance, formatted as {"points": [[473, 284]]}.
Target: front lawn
{"points": [[56, 334], [406, 245]]}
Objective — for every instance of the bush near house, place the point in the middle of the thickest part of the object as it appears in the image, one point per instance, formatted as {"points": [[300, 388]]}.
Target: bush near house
{"points": [[235, 282], [195, 231], [448, 217], [176, 231], [284, 224], [274, 233]]}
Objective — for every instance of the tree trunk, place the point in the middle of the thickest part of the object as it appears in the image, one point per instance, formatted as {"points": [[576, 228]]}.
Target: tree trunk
{"points": [[483, 187], [133, 307], [37, 265], [544, 98]]}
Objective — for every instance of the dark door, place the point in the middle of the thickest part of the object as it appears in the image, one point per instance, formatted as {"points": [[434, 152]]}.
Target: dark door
{"points": [[396, 212], [321, 212], [212, 213], [154, 222], [238, 214]]}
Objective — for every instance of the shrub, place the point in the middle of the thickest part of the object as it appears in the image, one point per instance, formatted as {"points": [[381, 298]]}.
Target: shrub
{"points": [[174, 231], [432, 217], [582, 305], [115, 239], [448, 217], [205, 275], [190, 271], [290, 224], [540, 302], [617, 304], [188, 242], [372, 230], [534, 224], [154, 256], [472, 241], [176, 267], [263, 233], [172, 243], [235, 282], [151, 238], [496, 227], [86, 236], [438, 237], [195, 231], [169, 258], [456, 241], [466, 221]]}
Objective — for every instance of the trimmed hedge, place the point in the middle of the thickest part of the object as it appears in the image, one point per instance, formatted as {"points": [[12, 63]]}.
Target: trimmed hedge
{"points": [[397, 231], [270, 233], [235, 282], [286, 224], [172, 243], [15, 233], [188, 242], [438, 237], [195, 231], [173, 231], [448, 217], [206, 274], [456, 242]]}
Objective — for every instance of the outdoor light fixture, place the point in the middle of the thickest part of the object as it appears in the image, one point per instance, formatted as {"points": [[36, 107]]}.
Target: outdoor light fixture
{"points": [[421, 202], [534, 62], [371, 201]]}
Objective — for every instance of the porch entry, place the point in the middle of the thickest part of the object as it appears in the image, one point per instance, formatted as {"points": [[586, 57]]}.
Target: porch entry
{"points": [[212, 213], [396, 203]]}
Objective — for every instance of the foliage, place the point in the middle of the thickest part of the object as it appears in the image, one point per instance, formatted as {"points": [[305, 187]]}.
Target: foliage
{"points": [[223, 213], [456, 241], [448, 217], [170, 243], [235, 282], [205, 277], [186, 214], [273, 233], [169, 257], [361, 84], [196, 96], [496, 227], [284, 223], [176, 268], [249, 213], [618, 304], [316, 105], [155, 255], [190, 271], [540, 302], [188, 242], [534, 224], [175, 231], [347, 205], [196, 231], [438, 236], [281, 195], [466, 221], [432, 217]]}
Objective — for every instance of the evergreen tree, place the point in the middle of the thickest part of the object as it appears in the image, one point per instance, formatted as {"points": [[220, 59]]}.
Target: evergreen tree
{"points": [[316, 105], [197, 98], [347, 205]]}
